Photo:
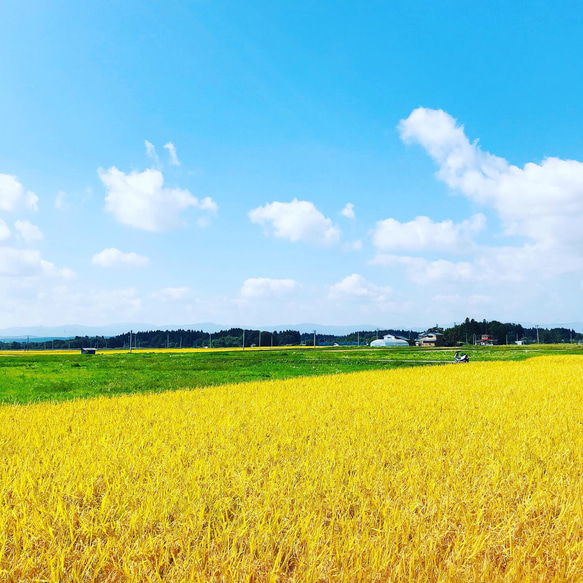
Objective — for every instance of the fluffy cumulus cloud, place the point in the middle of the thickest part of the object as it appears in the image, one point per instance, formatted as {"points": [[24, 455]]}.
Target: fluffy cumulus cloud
{"points": [[172, 153], [298, 220], [424, 234], [13, 196], [348, 211], [263, 287], [140, 200], [16, 262], [112, 257], [542, 202], [29, 232], [28, 264]]}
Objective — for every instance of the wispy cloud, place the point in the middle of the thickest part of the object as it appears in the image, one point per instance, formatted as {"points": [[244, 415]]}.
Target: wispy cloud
{"points": [[172, 153]]}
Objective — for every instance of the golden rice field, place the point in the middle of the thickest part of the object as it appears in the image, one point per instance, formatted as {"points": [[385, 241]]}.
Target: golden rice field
{"points": [[452, 473]]}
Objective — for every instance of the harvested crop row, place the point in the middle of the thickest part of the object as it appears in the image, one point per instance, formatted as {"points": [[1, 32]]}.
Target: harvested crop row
{"points": [[470, 472]]}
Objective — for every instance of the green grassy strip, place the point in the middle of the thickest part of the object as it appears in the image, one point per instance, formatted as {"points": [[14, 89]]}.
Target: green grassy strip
{"points": [[30, 378]]}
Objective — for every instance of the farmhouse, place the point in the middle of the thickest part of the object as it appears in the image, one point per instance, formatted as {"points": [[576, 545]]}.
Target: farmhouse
{"points": [[486, 340], [389, 340], [88, 350], [430, 339]]}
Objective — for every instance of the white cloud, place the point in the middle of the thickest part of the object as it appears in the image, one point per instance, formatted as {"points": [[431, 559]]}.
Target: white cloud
{"points": [[424, 234], [298, 220], [357, 286], [92, 306], [113, 257], [28, 262], [29, 232], [172, 153], [171, 294], [140, 200], [5, 233], [356, 294], [543, 202], [19, 262], [61, 200], [423, 271], [13, 196], [47, 300], [208, 204], [261, 287], [468, 302], [490, 266], [348, 211], [151, 152], [116, 301]]}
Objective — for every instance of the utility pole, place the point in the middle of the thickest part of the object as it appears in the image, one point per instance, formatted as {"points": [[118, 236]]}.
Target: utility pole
{"points": [[377, 333], [272, 340], [167, 340], [243, 339], [130, 341], [358, 338], [181, 343], [259, 338], [210, 340], [537, 337], [314, 339]]}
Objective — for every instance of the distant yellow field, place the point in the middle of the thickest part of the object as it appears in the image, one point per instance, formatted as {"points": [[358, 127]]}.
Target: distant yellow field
{"points": [[140, 350], [456, 473]]}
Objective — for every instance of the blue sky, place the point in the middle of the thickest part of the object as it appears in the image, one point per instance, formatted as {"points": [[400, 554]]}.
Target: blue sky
{"points": [[279, 115]]}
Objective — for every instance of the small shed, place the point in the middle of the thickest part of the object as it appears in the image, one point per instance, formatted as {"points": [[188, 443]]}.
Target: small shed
{"points": [[88, 350]]}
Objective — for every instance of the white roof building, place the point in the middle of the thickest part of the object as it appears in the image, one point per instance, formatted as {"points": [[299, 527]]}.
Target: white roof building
{"points": [[389, 340]]}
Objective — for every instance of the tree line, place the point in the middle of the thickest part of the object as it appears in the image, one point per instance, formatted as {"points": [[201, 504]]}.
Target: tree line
{"points": [[468, 332], [471, 330]]}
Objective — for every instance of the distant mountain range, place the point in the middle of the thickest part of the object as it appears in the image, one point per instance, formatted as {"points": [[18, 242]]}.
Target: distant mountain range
{"points": [[47, 333]]}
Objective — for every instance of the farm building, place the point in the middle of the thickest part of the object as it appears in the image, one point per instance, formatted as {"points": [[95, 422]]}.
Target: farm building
{"points": [[389, 340], [486, 340], [430, 339], [88, 350]]}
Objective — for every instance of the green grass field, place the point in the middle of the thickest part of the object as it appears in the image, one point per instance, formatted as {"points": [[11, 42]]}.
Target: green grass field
{"points": [[26, 377]]}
